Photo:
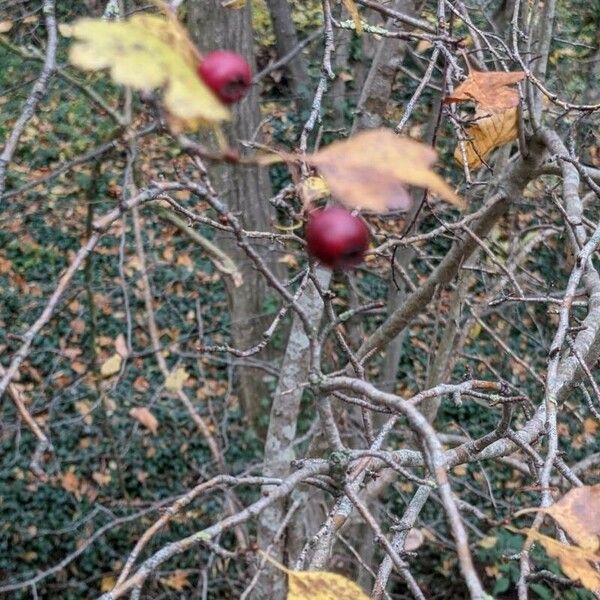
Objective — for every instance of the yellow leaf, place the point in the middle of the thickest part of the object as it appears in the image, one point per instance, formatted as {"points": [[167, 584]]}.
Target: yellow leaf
{"points": [[372, 169], [29, 556], [148, 52], [321, 585], [489, 130], [101, 479], [5, 26], [475, 330], [177, 581], [107, 583], [577, 513], [145, 417], [175, 380], [111, 366], [318, 585], [577, 563], [487, 542], [313, 189], [353, 10]]}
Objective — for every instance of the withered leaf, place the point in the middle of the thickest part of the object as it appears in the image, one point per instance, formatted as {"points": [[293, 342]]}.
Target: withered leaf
{"points": [[489, 89], [145, 417], [577, 513], [321, 585], [489, 130], [371, 170], [576, 562], [175, 380], [177, 580]]}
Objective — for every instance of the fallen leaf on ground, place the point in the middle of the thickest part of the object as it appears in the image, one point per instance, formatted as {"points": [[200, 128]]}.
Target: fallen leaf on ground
{"points": [[175, 380], [145, 417], [111, 366]]}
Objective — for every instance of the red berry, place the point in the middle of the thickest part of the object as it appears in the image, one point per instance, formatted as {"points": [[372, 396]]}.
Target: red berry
{"points": [[227, 74], [336, 237]]}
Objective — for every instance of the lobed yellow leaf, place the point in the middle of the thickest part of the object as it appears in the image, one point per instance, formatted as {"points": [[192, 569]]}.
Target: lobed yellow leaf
{"points": [[148, 52]]}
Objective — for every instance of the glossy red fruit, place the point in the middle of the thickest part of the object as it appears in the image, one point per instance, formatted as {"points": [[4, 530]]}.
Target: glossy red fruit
{"points": [[227, 74], [336, 237]]}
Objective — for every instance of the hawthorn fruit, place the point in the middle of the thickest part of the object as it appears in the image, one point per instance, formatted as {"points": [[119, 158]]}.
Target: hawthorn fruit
{"points": [[336, 237], [227, 74]]}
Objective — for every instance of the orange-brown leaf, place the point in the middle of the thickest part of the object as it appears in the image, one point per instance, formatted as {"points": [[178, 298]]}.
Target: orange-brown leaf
{"points": [[145, 417], [489, 130], [177, 581], [489, 89]]}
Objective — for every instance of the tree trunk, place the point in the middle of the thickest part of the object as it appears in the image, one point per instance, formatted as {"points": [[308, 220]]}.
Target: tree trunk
{"points": [[286, 40], [245, 191], [282, 431]]}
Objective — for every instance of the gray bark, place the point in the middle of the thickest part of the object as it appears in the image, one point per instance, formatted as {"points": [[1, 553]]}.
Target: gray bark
{"points": [[285, 410]]}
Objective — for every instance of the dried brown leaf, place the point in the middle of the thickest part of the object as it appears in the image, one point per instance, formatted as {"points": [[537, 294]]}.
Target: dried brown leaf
{"points": [[577, 563], [121, 346], [488, 131], [70, 482], [577, 513], [145, 417], [489, 89], [177, 581], [372, 169]]}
